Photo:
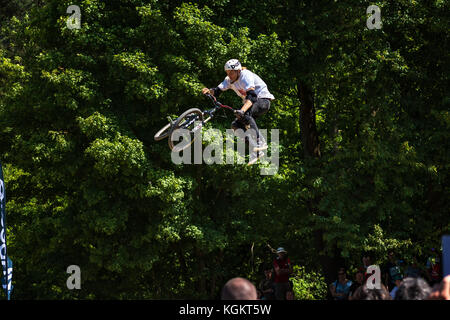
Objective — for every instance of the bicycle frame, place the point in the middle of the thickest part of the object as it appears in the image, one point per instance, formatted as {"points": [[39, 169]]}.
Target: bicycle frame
{"points": [[217, 106], [207, 115], [190, 119]]}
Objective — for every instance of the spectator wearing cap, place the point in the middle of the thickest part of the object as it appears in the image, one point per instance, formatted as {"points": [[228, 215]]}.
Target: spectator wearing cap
{"points": [[283, 269]]}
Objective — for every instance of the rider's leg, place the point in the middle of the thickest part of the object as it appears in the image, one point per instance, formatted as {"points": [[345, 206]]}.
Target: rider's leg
{"points": [[259, 108], [244, 133], [242, 130]]}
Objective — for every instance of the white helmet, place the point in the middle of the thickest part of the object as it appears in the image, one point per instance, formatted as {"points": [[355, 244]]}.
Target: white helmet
{"points": [[233, 64]]}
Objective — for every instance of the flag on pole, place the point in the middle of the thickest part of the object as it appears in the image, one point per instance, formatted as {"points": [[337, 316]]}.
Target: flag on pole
{"points": [[5, 260]]}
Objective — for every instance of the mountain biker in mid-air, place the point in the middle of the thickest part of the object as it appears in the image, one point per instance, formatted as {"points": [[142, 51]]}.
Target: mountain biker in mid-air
{"points": [[256, 98]]}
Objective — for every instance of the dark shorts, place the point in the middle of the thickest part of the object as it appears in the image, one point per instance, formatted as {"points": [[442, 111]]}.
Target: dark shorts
{"points": [[260, 107], [280, 290]]}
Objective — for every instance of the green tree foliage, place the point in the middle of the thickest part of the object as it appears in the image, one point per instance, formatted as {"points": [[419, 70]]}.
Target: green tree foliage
{"points": [[87, 185], [308, 285]]}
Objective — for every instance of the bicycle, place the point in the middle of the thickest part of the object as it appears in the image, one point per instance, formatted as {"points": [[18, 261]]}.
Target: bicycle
{"points": [[189, 120]]}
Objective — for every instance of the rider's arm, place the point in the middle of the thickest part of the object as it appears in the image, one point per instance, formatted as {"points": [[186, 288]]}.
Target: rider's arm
{"points": [[216, 91], [213, 91], [249, 99]]}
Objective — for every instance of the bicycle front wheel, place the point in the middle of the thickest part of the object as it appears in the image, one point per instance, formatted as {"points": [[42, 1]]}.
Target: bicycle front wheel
{"points": [[191, 121], [163, 133]]}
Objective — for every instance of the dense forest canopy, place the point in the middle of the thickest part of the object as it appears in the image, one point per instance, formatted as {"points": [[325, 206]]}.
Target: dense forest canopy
{"points": [[363, 120]]}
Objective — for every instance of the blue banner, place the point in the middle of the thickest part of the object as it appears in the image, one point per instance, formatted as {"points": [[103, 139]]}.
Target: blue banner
{"points": [[6, 262]]}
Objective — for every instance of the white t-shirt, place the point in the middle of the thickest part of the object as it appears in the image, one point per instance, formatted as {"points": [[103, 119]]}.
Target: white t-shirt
{"points": [[247, 80]]}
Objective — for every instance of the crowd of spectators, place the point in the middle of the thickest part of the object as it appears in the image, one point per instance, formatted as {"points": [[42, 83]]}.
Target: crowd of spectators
{"points": [[398, 280]]}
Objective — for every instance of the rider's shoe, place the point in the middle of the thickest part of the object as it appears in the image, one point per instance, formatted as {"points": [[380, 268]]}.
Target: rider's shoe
{"points": [[254, 156]]}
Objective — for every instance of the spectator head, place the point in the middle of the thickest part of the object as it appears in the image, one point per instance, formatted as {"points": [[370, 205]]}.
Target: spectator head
{"points": [[391, 255], [239, 289], [359, 276], [341, 273], [364, 293], [281, 252], [413, 261], [413, 289], [268, 273], [367, 259]]}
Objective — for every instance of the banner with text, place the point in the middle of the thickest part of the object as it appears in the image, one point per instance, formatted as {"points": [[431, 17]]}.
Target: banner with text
{"points": [[6, 262]]}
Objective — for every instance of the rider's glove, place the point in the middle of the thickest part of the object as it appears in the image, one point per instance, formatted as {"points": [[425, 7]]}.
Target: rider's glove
{"points": [[239, 113]]}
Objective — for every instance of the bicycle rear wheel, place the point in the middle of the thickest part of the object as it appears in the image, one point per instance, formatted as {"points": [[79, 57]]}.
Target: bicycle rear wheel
{"points": [[188, 121]]}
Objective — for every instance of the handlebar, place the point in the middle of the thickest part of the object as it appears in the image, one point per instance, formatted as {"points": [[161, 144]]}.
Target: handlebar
{"points": [[214, 100], [217, 103]]}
